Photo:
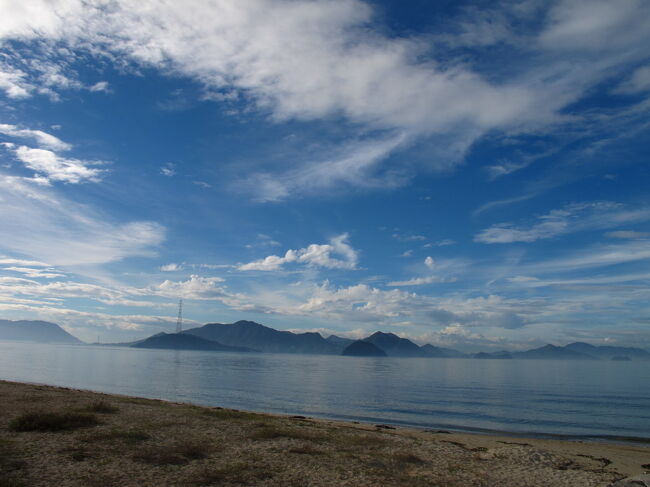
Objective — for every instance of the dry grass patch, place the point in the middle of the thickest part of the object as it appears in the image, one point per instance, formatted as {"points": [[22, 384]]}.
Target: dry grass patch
{"points": [[274, 432], [52, 421]]}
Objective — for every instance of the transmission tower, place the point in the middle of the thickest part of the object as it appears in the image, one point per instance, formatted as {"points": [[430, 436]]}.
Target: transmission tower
{"points": [[179, 321]]}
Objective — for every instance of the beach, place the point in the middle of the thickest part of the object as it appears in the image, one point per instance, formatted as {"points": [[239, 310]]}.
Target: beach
{"points": [[66, 437]]}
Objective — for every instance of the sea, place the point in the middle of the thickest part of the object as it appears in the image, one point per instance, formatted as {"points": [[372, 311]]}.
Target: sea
{"points": [[596, 400]]}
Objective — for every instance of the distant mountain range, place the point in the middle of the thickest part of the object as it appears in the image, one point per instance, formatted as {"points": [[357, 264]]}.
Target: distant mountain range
{"points": [[35, 331], [248, 336], [259, 337]]}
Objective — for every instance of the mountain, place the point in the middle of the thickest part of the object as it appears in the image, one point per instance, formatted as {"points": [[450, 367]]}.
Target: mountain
{"points": [[361, 348], [552, 352], [259, 337], [180, 341], [395, 346], [432, 351], [35, 331], [339, 341], [608, 352]]}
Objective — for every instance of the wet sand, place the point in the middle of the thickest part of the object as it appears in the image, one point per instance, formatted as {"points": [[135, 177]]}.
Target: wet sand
{"points": [[127, 441]]}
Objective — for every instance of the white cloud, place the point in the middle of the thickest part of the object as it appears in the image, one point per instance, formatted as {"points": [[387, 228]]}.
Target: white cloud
{"points": [[572, 218], [12, 82], [408, 237], [196, 287], [100, 86], [317, 255], [31, 272], [57, 168], [43, 139], [171, 267], [429, 262], [23, 262], [168, 170], [416, 281]]}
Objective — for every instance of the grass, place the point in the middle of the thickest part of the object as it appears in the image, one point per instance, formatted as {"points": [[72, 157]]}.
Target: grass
{"points": [[52, 421], [174, 454]]}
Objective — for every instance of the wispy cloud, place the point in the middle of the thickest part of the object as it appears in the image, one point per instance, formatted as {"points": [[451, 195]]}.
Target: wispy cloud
{"points": [[354, 164], [68, 233], [345, 68], [570, 219], [628, 234]]}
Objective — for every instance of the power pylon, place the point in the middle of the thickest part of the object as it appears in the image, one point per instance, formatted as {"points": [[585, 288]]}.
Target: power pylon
{"points": [[179, 321]]}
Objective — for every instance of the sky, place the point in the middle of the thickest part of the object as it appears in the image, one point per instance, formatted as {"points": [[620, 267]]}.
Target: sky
{"points": [[466, 174]]}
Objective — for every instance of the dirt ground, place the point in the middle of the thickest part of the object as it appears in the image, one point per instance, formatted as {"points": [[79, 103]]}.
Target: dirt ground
{"points": [[60, 437]]}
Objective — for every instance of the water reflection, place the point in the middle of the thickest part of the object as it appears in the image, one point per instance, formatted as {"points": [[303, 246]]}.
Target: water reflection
{"points": [[585, 398]]}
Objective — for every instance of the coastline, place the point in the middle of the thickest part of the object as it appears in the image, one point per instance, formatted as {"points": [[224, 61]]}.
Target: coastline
{"points": [[271, 449]]}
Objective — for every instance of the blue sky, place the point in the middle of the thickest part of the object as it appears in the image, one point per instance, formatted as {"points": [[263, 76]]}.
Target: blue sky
{"points": [[469, 174]]}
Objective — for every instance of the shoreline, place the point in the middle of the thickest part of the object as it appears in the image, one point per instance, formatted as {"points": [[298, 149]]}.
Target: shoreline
{"points": [[292, 447], [434, 428]]}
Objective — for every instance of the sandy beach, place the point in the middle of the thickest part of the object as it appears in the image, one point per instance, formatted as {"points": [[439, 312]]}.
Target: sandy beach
{"points": [[56, 436]]}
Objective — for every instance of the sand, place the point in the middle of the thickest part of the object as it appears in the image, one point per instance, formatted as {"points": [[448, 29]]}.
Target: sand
{"points": [[140, 442]]}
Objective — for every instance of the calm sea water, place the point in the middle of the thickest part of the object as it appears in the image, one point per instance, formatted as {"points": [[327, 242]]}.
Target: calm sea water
{"points": [[597, 399]]}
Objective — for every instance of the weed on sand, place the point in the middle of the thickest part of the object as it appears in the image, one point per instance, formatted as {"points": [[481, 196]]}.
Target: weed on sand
{"points": [[101, 407], [132, 436], [272, 433], [174, 454]]}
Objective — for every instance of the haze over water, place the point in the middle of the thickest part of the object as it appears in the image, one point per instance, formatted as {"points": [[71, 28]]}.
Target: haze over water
{"points": [[551, 397]]}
